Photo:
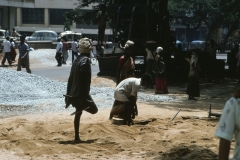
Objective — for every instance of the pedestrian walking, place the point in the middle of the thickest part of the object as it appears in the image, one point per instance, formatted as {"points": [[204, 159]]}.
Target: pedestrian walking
{"points": [[58, 55], [64, 51], [12, 52], [74, 46], [7, 49]]}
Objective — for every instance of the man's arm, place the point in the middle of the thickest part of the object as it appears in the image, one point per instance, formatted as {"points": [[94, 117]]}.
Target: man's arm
{"points": [[224, 148]]}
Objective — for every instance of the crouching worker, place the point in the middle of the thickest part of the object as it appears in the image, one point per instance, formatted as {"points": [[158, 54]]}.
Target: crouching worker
{"points": [[125, 95], [78, 86]]}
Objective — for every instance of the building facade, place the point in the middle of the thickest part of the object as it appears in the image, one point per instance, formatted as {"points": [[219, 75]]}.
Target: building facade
{"points": [[32, 15]]}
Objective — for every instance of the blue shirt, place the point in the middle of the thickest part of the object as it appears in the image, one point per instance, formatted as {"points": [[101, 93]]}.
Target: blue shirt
{"points": [[23, 48]]}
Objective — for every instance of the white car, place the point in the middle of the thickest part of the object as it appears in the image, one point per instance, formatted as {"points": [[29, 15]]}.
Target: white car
{"points": [[70, 35], [43, 35]]}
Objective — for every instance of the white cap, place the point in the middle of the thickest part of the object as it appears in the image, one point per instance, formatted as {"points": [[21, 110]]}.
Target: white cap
{"points": [[159, 49]]}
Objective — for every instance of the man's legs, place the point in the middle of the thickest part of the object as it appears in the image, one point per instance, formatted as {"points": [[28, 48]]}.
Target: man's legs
{"points": [[59, 59], [77, 124], [26, 63], [6, 56], [101, 32], [73, 54], [19, 65], [65, 57]]}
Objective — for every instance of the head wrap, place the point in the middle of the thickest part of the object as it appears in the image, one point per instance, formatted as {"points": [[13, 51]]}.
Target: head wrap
{"points": [[129, 44], [159, 49], [85, 45]]}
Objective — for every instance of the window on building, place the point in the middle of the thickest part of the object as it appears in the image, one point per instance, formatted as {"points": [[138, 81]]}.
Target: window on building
{"points": [[32, 15], [57, 16]]}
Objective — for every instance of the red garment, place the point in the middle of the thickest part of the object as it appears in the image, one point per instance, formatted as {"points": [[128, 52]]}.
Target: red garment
{"points": [[161, 85], [65, 46], [121, 61]]}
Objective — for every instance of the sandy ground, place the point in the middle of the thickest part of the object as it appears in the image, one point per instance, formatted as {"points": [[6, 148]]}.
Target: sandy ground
{"points": [[153, 136]]}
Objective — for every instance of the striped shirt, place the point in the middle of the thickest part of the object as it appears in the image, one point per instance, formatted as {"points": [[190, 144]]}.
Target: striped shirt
{"points": [[23, 48]]}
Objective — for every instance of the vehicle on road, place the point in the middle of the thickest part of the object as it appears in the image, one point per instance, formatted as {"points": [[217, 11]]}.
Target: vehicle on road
{"points": [[198, 44], [43, 35], [70, 35]]}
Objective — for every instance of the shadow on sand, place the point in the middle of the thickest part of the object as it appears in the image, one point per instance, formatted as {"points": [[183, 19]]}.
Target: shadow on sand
{"points": [[188, 152], [77, 142]]}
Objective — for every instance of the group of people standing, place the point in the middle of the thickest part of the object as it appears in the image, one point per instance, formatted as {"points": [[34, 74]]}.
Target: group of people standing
{"points": [[13, 33], [62, 51], [10, 54]]}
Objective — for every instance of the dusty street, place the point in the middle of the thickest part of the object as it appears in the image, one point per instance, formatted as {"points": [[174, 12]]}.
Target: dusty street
{"points": [[153, 136]]}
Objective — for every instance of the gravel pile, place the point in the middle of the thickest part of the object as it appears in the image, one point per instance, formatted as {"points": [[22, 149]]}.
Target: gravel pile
{"points": [[28, 93]]}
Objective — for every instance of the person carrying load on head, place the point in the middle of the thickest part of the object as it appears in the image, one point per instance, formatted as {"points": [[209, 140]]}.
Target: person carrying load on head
{"points": [[126, 64]]}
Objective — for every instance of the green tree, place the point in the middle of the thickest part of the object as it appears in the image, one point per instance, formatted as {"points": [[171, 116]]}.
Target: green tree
{"points": [[214, 13], [67, 26], [231, 16], [81, 16], [191, 13]]}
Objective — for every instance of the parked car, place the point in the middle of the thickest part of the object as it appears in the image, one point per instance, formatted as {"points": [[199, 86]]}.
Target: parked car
{"points": [[70, 35], [43, 35], [197, 44]]}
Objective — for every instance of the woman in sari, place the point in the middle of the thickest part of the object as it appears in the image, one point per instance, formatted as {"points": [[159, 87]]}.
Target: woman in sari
{"points": [[126, 65]]}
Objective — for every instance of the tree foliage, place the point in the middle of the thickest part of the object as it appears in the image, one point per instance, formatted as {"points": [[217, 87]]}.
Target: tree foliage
{"points": [[214, 14], [81, 16], [192, 13]]}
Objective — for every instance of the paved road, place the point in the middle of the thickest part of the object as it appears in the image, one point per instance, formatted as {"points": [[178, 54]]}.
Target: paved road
{"points": [[62, 73], [56, 73]]}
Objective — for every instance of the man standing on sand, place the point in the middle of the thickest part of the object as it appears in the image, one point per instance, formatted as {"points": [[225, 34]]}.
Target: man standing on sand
{"points": [[7, 49], [78, 86], [23, 55], [228, 126]]}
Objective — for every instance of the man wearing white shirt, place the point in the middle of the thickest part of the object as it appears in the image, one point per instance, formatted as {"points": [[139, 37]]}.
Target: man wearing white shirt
{"points": [[7, 49], [125, 95], [59, 52], [229, 127], [74, 49]]}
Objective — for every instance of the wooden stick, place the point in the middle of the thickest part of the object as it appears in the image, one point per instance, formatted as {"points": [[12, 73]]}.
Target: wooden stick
{"points": [[176, 114]]}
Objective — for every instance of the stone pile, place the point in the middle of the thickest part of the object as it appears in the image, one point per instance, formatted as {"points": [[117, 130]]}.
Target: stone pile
{"points": [[21, 91]]}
